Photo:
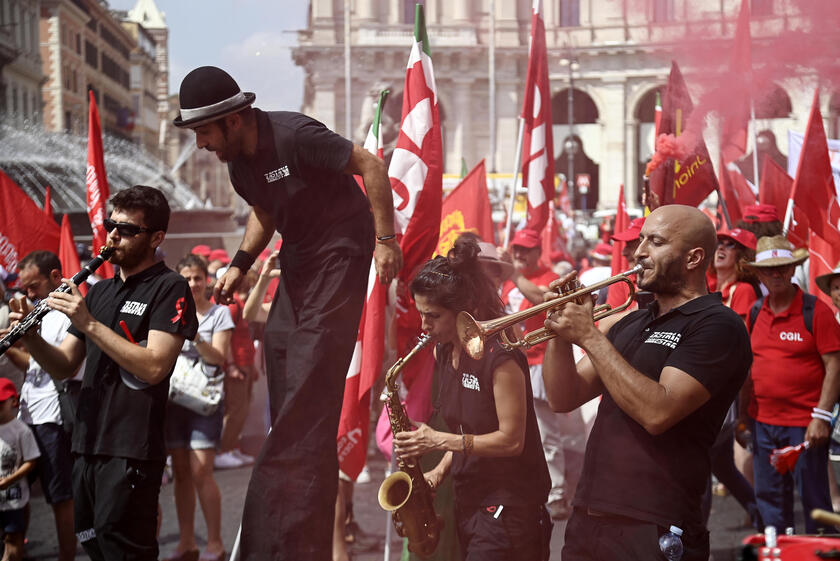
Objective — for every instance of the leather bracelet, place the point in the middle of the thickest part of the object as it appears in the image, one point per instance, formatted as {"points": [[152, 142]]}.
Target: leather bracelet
{"points": [[386, 238], [242, 260]]}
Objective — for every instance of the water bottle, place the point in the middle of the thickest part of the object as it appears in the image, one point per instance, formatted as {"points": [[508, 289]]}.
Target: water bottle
{"points": [[671, 544]]}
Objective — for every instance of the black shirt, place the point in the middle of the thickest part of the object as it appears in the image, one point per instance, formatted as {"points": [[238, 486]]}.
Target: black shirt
{"points": [[469, 407], [112, 418], [297, 176], [661, 479]]}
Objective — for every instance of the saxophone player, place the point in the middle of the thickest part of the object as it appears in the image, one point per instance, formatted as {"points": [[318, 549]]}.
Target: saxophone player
{"points": [[501, 480]]}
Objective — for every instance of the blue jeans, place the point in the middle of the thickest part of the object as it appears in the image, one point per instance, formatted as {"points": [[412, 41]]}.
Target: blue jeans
{"points": [[774, 491]]}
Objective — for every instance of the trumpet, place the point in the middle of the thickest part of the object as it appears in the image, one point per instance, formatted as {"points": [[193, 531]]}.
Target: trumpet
{"points": [[473, 333]]}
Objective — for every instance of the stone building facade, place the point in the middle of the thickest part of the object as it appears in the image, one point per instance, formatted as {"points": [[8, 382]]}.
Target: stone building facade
{"points": [[613, 54], [20, 60]]}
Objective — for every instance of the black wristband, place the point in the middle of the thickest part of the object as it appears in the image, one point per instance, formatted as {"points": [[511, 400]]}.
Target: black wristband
{"points": [[242, 260], [385, 238]]}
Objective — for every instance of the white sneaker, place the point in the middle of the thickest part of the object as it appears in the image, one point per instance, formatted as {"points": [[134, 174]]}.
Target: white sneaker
{"points": [[364, 475], [244, 458], [227, 461]]}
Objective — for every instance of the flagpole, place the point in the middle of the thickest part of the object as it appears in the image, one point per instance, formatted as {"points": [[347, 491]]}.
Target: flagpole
{"points": [[755, 144], [516, 170], [491, 58], [723, 208], [347, 75]]}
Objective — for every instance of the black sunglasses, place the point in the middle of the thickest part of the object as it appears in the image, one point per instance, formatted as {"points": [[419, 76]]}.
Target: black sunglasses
{"points": [[125, 229]]}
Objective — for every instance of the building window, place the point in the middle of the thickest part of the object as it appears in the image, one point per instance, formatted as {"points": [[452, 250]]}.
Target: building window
{"points": [[68, 118], [91, 54], [761, 7], [79, 43], [663, 10], [569, 13], [409, 9]]}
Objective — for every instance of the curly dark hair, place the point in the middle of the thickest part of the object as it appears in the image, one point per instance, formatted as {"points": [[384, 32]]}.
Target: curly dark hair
{"points": [[149, 200], [457, 282]]}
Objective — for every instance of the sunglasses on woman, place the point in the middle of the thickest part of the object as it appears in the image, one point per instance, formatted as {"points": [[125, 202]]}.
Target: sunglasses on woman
{"points": [[125, 229]]}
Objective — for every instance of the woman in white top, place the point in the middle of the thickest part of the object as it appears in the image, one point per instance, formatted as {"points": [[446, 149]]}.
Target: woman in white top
{"points": [[191, 439]]}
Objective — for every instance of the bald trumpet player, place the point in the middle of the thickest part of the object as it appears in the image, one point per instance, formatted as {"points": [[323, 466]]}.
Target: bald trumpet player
{"points": [[667, 375]]}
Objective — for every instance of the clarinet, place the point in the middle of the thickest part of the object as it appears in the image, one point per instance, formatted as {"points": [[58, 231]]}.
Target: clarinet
{"points": [[33, 318]]}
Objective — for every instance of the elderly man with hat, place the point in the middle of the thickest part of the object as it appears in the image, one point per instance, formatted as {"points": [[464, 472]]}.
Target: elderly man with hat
{"points": [[563, 435], [793, 385], [297, 176]]}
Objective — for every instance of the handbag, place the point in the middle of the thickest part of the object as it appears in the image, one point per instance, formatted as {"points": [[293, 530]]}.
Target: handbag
{"points": [[191, 387]]}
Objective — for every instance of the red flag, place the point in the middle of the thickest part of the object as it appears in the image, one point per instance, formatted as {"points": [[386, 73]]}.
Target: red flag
{"points": [[775, 189], [619, 291], [70, 264], [416, 169], [97, 185], [736, 193], [738, 88], [680, 171], [822, 258], [466, 209], [813, 189], [657, 115], [24, 227], [537, 140], [48, 203], [551, 235]]}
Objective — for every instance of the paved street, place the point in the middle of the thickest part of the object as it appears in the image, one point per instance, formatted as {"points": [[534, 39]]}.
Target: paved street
{"points": [[725, 524]]}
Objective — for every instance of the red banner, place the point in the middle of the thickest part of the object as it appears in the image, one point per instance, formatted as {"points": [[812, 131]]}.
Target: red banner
{"points": [[813, 188], [823, 257], [537, 140], [775, 189], [681, 171], [67, 254], [24, 227], [97, 185], [466, 209]]}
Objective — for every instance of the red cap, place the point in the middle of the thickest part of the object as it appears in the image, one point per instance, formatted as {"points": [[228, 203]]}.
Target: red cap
{"points": [[760, 213], [7, 389], [602, 251], [631, 233], [202, 250], [743, 237], [526, 238], [220, 255]]}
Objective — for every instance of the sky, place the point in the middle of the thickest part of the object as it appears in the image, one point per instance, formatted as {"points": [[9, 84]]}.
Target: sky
{"points": [[250, 39]]}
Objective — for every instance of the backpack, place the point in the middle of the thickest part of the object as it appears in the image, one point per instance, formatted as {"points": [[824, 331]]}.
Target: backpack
{"points": [[808, 303]]}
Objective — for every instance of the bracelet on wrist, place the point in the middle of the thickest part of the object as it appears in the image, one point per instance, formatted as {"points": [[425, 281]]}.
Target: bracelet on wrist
{"points": [[383, 239], [820, 416], [466, 444], [821, 411], [242, 260]]}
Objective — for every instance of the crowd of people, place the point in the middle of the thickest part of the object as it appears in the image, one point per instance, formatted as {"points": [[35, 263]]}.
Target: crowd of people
{"points": [[620, 426]]}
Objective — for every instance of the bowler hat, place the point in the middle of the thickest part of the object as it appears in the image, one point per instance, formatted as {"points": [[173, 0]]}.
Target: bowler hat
{"points": [[207, 94], [777, 251], [824, 281]]}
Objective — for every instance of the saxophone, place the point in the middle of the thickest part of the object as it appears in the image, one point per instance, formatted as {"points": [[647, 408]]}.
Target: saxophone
{"points": [[406, 493]]}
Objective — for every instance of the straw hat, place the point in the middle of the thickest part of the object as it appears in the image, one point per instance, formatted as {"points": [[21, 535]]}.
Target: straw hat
{"points": [[824, 281], [776, 251]]}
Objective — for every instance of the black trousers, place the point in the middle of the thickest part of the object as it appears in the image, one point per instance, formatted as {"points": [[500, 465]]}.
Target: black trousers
{"points": [[115, 505], [309, 339], [512, 534], [608, 538]]}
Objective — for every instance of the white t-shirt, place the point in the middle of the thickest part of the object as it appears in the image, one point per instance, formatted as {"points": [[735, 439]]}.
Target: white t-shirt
{"points": [[38, 397], [216, 319], [17, 445]]}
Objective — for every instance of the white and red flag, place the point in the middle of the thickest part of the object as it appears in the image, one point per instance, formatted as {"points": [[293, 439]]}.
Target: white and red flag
{"points": [[97, 185], [416, 169], [537, 139], [366, 363]]}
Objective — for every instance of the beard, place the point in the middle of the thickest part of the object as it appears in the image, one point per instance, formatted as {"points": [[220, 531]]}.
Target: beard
{"points": [[669, 279], [131, 256]]}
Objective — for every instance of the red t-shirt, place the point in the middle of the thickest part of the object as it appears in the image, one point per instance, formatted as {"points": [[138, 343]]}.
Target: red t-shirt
{"points": [[740, 297], [516, 301], [241, 345], [787, 370]]}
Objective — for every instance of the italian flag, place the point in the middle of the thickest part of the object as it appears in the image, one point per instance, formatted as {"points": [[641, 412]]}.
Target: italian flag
{"points": [[370, 348]]}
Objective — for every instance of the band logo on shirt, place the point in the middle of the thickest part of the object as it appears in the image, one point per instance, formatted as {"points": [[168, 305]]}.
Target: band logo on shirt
{"points": [[667, 338], [277, 174], [133, 308], [470, 382]]}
